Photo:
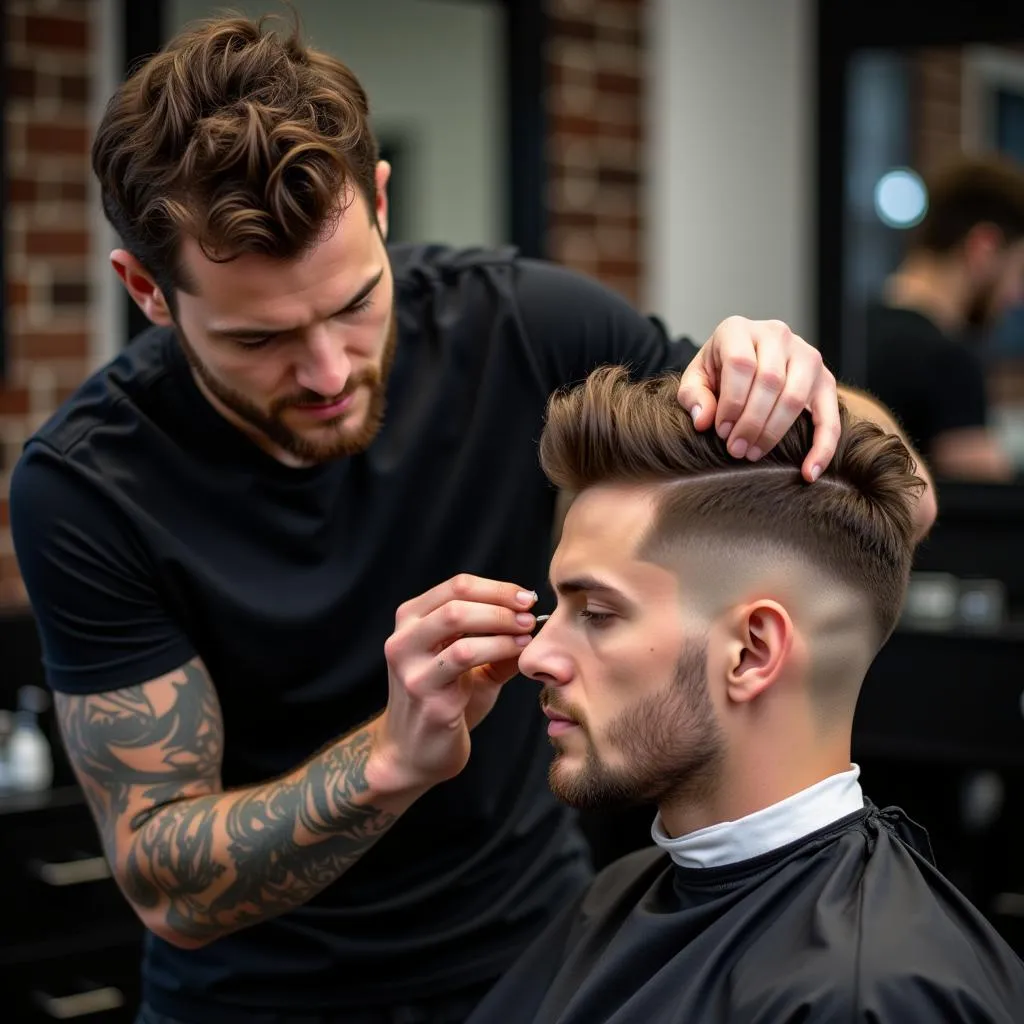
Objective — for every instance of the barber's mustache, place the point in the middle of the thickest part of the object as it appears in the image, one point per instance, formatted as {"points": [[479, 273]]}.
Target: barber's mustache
{"points": [[368, 377]]}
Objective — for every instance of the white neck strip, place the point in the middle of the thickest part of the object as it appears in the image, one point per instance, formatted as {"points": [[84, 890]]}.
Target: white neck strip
{"points": [[770, 828]]}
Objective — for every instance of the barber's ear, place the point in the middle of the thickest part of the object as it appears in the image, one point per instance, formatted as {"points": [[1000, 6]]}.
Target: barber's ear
{"points": [[381, 177], [761, 643], [141, 287], [983, 243]]}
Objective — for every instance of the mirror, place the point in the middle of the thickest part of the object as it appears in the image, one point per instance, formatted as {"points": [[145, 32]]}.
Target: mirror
{"points": [[901, 95], [909, 113]]}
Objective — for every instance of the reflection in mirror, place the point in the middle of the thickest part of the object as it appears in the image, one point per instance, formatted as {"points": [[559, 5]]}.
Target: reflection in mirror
{"points": [[933, 260]]}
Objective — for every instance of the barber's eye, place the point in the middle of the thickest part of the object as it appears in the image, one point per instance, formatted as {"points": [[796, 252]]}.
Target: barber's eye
{"points": [[361, 306], [595, 618]]}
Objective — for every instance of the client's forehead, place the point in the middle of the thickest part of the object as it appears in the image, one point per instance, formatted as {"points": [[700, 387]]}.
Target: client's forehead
{"points": [[603, 531], [618, 513]]}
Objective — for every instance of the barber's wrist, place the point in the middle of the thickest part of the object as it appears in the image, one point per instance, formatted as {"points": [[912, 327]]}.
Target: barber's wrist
{"points": [[388, 773]]}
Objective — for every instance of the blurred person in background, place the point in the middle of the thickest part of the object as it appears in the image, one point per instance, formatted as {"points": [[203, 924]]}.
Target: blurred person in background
{"points": [[964, 268]]}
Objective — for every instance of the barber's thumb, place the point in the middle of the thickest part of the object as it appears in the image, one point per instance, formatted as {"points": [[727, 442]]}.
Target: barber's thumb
{"points": [[698, 400]]}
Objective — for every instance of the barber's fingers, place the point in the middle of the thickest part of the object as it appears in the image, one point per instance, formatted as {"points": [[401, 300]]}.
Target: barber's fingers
{"points": [[436, 698], [743, 428], [483, 656], [486, 683], [451, 673], [719, 378], [803, 373], [453, 639], [458, 618], [824, 407], [698, 388], [467, 588]]}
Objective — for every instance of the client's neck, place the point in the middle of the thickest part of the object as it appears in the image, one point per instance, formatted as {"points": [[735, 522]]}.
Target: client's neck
{"points": [[754, 780]]}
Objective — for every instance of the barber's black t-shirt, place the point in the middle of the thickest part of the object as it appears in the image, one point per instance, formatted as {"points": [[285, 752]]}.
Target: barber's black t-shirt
{"points": [[150, 531], [933, 383]]}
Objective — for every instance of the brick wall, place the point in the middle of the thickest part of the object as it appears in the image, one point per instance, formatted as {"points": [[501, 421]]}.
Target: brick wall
{"points": [[47, 65], [594, 105], [593, 100], [937, 110], [936, 107]]}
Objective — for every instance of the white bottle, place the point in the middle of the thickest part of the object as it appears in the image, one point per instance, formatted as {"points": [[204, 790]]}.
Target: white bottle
{"points": [[29, 759]]}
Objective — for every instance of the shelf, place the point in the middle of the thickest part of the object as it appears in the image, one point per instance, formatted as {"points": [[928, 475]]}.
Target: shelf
{"points": [[15, 802]]}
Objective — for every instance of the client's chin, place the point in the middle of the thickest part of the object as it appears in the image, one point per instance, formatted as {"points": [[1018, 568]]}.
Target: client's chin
{"points": [[586, 790]]}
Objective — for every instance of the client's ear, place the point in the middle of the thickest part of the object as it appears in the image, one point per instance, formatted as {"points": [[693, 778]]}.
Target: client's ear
{"points": [[762, 637]]}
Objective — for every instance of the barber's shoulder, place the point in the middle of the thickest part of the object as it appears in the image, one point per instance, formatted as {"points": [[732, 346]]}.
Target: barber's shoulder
{"points": [[108, 393], [535, 282], [418, 263]]}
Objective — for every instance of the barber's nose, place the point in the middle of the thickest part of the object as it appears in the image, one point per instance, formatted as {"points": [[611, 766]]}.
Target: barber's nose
{"points": [[325, 366], [544, 661]]}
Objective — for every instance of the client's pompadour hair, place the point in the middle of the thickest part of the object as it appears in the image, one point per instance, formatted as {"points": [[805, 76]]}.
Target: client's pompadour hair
{"points": [[855, 522]]}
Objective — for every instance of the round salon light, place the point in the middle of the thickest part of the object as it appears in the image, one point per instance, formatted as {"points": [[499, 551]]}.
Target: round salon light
{"points": [[901, 198]]}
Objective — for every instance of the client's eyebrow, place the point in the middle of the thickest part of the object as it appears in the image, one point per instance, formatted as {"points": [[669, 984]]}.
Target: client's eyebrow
{"points": [[254, 332], [588, 584]]}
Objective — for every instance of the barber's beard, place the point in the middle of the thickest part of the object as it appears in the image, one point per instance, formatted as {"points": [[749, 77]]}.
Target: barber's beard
{"points": [[333, 439], [981, 313], [670, 747]]}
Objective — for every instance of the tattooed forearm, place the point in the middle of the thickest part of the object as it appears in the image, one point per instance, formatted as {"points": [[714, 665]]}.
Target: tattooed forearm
{"points": [[198, 862], [220, 862]]}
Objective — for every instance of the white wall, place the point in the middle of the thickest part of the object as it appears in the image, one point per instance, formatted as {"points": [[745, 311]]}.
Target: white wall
{"points": [[730, 194], [433, 68], [107, 308]]}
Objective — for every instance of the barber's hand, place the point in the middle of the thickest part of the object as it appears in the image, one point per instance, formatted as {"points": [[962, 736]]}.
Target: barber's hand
{"points": [[452, 650], [752, 379]]}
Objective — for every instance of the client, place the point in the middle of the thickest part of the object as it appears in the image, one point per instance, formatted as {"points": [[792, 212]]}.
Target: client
{"points": [[715, 621]]}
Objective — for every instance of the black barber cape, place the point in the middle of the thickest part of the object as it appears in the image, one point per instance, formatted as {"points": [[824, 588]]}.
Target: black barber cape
{"points": [[851, 924]]}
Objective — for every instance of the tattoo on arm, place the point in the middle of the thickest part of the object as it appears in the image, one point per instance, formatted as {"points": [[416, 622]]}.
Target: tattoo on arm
{"points": [[205, 861], [119, 742]]}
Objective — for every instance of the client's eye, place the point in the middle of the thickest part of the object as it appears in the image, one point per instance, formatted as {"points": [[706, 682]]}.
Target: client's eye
{"points": [[595, 618]]}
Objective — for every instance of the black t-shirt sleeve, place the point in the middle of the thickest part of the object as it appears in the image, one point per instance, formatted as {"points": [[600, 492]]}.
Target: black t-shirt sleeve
{"points": [[576, 324], [100, 620], [957, 397]]}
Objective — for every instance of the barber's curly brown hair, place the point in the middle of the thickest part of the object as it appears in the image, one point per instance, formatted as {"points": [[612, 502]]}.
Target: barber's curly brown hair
{"points": [[855, 522], [244, 139]]}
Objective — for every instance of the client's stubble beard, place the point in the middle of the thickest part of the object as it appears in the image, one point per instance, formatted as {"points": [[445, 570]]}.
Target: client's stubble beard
{"points": [[671, 745], [271, 425]]}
